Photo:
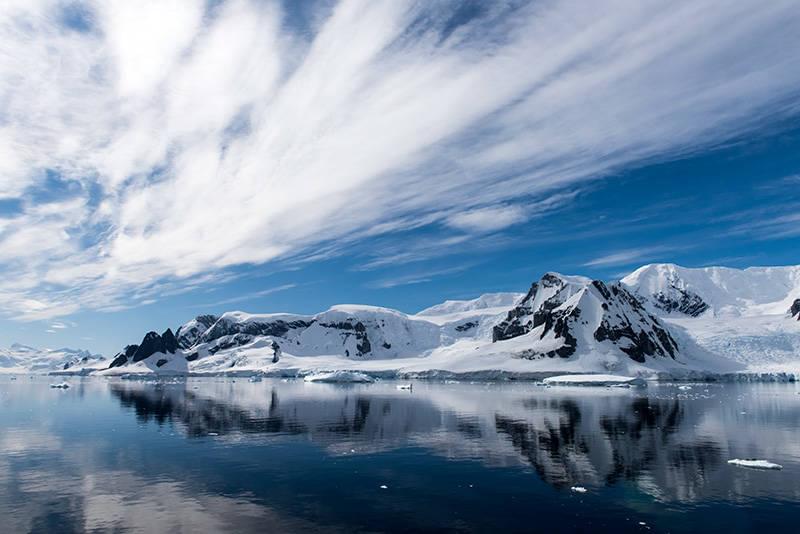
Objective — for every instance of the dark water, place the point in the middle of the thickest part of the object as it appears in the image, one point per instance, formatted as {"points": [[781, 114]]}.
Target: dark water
{"points": [[219, 455]]}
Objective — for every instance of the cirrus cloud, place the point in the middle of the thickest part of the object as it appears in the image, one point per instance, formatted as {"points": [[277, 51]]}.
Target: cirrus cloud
{"points": [[198, 136]]}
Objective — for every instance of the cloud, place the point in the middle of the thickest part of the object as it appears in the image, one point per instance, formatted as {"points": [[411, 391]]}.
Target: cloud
{"points": [[628, 257], [419, 277], [250, 296], [487, 219], [205, 135]]}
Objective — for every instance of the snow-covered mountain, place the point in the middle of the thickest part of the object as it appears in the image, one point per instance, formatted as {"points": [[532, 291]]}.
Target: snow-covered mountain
{"points": [[660, 319], [348, 331], [743, 315], [719, 291], [24, 359], [562, 315]]}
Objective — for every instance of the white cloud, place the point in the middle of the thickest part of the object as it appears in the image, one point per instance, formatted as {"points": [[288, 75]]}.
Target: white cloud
{"points": [[487, 219], [628, 257], [204, 138]]}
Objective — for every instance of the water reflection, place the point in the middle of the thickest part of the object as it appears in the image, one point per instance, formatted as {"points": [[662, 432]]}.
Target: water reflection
{"points": [[675, 445], [218, 455]]}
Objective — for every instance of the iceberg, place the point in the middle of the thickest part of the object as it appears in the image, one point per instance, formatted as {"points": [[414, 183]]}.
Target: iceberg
{"points": [[594, 380], [754, 463], [341, 377]]}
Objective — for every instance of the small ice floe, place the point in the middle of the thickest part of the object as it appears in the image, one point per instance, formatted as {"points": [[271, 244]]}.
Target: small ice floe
{"points": [[408, 387], [347, 377], [61, 385], [754, 463], [384, 486], [578, 489], [213, 434], [684, 388], [255, 379], [595, 380]]}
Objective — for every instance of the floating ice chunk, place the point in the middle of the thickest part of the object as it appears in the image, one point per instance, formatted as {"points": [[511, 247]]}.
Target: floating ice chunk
{"points": [[62, 385], [578, 489], [684, 388], [753, 463], [351, 377], [255, 379], [384, 486], [594, 380], [213, 434]]}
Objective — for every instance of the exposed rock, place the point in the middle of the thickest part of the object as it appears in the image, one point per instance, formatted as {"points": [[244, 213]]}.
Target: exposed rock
{"points": [[794, 311], [154, 343], [561, 311], [188, 334], [123, 357], [680, 300]]}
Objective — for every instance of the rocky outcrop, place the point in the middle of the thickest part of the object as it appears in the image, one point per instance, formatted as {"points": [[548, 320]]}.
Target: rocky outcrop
{"points": [[794, 311], [153, 343], [681, 301], [568, 314], [188, 334]]}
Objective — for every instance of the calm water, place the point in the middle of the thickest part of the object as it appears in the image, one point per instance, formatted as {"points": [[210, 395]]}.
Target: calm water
{"points": [[221, 455]]}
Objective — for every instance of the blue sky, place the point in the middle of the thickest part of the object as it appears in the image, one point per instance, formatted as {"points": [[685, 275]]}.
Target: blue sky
{"points": [[190, 157]]}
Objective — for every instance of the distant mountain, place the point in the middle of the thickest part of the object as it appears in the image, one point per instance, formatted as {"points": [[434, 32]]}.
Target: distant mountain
{"points": [[488, 303], [719, 291], [24, 359]]}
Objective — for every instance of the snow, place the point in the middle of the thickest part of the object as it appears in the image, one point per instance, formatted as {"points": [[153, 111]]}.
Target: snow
{"points": [[594, 380], [729, 292], [453, 340], [349, 377], [23, 359], [755, 464]]}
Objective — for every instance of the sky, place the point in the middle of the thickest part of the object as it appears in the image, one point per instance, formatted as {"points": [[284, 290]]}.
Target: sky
{"points": [[168, 158]]}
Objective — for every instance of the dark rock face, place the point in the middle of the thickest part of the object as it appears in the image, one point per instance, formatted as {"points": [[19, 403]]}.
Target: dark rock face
{"points": [[187, 335], [687, 303], [224, 327], [469, 325], [624, 321], [153, 343], [227, 342], [654, 341], [515, 325], [123, 357], [795, 309]]}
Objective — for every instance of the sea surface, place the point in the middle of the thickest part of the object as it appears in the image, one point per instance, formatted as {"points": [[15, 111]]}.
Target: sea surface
{"points": [[230, 455]]}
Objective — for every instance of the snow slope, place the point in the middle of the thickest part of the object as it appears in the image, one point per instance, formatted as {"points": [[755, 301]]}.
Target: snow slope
{"points": [[22, 359], [747, 314], [725, 292]]}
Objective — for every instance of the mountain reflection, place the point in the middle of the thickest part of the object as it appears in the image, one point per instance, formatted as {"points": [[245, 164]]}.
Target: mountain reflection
{"points": [[567, 437]]}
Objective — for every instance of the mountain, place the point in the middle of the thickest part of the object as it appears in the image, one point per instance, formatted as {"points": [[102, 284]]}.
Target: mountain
{"points": [[563, 315], [24, 360], [348, 331], [743, 315], [718, 291], [661, 320]]}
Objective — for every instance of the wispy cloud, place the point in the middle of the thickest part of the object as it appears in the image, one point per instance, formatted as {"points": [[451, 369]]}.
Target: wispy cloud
{"points": [[629, 256], [419, 277], [249, 296], [190, 137]]}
